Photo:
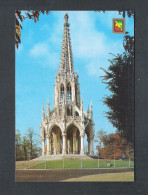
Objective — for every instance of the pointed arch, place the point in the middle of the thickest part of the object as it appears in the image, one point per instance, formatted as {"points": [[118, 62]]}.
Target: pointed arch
{"points": [[52, 126], [62, 90], [69, 92], [74, 124]]}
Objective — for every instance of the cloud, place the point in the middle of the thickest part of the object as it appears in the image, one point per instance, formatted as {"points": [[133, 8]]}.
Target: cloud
{"points": [[39, 50], [89, 43], [44, 55]]}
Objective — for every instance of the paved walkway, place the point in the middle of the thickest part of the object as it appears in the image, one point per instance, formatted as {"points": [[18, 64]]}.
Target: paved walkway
{"points": [[63, 174]]}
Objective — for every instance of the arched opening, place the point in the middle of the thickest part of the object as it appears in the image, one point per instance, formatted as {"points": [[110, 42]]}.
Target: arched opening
{"points": [[61, 92], [56, 140], [68, 92], [77, 114], [69, 111], [73, 140]]}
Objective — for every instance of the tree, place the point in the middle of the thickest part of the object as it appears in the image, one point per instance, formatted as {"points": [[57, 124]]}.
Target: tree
{"points": [[123, 13], [18, 146], [20, 17], [116, 147], [99, 140], [33, 148], [25, 146], [119, 79]]}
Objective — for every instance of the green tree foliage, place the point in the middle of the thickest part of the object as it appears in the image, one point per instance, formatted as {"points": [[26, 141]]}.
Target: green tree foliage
{"points": [[119, 79], [20, 18]]}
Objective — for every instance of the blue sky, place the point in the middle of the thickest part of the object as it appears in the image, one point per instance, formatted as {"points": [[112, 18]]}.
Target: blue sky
{"points": [[38, 59]]}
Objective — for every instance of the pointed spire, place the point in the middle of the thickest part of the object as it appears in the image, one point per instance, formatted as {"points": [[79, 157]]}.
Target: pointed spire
{"points": [[91, 112], [88, 109], [48, 107], [66, 18], [91, 105], [66, 64]]}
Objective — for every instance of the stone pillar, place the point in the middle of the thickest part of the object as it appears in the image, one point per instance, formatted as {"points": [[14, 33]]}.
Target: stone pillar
{"points": [[74, 142], [50, 148], [82, 143], [68, 145], [77, 145], [58, 143], [64, 143], [91, 147], [43, 147], [48, 145], [55, 143], [71, 145]]}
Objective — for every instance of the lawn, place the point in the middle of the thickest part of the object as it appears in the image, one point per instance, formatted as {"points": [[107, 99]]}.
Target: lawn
{"points": [[78, 163], [118, 177]]}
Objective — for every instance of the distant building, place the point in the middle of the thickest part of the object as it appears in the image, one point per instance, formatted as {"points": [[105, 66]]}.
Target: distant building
{"points": [[64, 127]]}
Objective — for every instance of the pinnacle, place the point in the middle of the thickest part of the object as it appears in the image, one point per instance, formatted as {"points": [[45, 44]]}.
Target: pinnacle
{"points": [[66, 64]]}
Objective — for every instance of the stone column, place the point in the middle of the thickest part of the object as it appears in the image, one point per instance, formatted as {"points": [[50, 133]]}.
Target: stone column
{"points": [[91, 147], [74, 142], [76, 145], [58, 143], [55, 143], [88, 140], [43, 147], [82, 143], [64, 143], [48, 145], [68, 145]]}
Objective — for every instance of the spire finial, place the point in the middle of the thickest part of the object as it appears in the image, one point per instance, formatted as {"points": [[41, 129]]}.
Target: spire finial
{"points": [[91, 105], [66, 18]]}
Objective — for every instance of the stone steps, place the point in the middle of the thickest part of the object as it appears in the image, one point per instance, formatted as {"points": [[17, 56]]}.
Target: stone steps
{"points": [[61, 156]]}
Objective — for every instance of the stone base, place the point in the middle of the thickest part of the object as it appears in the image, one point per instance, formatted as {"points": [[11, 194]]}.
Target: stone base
{"points": [[61, 156], [82, 152], [48, 153], [92, 153], [63, 152]]}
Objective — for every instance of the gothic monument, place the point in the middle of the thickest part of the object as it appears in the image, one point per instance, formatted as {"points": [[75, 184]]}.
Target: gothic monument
{"points": [[64, 127]]}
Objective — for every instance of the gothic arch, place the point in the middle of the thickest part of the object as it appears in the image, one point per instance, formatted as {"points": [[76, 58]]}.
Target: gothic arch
{"points": [[62, 91], [52, 126], [69, 92], [75, 124]]}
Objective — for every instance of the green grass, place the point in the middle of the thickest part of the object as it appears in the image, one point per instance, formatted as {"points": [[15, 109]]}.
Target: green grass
{"points": [[76, 164], [114, 177]]}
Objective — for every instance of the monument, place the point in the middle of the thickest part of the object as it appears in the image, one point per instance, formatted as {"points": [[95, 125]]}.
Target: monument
{"points": [[63, 128]]}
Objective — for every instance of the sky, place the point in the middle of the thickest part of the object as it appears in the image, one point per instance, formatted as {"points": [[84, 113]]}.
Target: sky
{"points": [[38, 58]]}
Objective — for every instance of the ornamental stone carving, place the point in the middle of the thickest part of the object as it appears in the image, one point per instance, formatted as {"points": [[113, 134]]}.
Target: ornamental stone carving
{"points": [[65, 125]]}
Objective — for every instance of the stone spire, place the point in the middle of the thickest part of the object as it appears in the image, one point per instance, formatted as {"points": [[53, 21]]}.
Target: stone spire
{"points": [[91, 112], [48, 108], [66, 64]]}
